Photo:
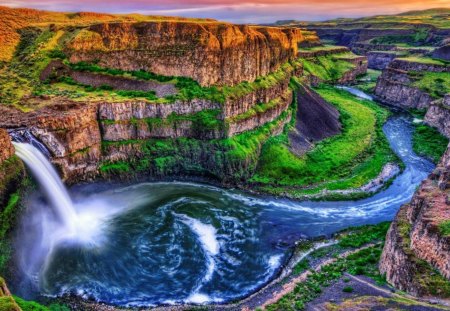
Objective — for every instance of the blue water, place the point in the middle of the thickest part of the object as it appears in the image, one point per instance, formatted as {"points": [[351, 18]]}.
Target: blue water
{"points": [[171, 243]]}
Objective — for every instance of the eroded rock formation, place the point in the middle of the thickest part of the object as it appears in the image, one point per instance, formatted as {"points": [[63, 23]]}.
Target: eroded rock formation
{"points": [[211, 53], [395, 85], [416, 244], [438, 115]]}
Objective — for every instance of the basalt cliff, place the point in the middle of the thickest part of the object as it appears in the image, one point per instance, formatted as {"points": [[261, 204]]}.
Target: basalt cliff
{"points": [[162, 98]]}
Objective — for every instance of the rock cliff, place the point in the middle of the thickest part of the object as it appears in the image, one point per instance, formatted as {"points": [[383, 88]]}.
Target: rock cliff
{"points": [[11, 169], [395, 85], [417, 242], [379, 60], [316, 120], [211, 53], [438, 115]]}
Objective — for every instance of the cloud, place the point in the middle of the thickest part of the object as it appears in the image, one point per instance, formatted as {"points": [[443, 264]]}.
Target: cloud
{"points": [[238, 10]]}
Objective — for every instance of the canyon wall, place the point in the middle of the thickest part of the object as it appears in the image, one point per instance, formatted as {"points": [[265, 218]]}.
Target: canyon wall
{"points": [[11, 168], [379, 60], [211, 53], [438, 115], [395, 85], [416, 255]]}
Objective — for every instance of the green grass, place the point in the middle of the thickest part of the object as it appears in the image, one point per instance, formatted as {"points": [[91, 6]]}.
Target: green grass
{"points": [[437, 84], [428, 142], [367, 82], [235, 157], [359, 236], [26, 305], [344, 161], [329, 67], [364, 262], [418, 38], [116, 167], [444, 228], [425, 60]]}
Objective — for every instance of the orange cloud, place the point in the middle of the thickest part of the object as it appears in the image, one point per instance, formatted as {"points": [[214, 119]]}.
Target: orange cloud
{"points": [[238, 10]]}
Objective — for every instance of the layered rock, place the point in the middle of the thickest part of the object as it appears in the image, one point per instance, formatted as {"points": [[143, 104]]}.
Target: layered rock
{"points": [[57, 69], [316, 120], [211, 53], [69, 130], [11, 168], [379, 60], [394, 86], [360, 68], [415, 245], [438, 115], [258, 117]]}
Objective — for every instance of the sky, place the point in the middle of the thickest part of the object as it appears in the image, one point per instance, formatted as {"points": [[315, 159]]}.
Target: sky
{"points": [[237, 11]]}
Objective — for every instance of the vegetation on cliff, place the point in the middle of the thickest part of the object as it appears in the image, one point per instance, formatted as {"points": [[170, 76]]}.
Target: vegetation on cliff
{"points": [[428, 142], [328, 67]]}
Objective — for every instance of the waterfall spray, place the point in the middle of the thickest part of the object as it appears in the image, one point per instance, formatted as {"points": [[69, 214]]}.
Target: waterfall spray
{"points": [[49, 180]]}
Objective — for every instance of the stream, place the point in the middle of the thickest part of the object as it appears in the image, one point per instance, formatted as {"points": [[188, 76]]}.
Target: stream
{"points": [[172, 242]]}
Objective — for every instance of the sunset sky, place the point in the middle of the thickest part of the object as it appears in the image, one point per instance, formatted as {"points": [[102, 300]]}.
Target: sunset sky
{"points": [[239, 11]]}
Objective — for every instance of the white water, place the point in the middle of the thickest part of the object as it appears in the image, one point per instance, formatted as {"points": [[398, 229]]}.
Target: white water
{"points": [[50, 182], [207, 236]]}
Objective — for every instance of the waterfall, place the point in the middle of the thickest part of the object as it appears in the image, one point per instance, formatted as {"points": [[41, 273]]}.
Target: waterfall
{"points": [[49, 181]]}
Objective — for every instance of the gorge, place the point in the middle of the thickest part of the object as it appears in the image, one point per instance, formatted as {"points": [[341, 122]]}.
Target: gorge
{"points": [[180, 163]]}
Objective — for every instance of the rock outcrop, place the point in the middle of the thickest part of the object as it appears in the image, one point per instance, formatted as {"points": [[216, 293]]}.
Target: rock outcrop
{"points": [[69, 130], [380, 60], [211, 53], [416, 245], [394, 86], [316, 120], [438, 115], [7, 302], [11, 168], [442, 52]]}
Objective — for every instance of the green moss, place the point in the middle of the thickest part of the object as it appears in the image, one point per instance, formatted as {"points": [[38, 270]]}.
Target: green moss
{"points": [[35, 306], [428, 142], [7, 303], [444, 228], [359, 236], [116, 167], [436, 84], [328, 68], [20, 77]]}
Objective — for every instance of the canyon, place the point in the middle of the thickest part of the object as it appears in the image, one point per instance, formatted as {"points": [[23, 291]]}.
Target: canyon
{"points": [[129, 99]]}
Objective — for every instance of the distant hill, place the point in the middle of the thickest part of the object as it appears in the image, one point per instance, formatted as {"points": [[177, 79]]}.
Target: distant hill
{"points": [[438, 17]]}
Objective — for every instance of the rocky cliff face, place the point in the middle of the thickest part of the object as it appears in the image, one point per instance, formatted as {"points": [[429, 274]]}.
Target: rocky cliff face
{"points": [[11, 169], [316, 120], [7, 149], [211, 53], [69, 130], [416, 245], [438, 115], [394, 86], [380, 60]]}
